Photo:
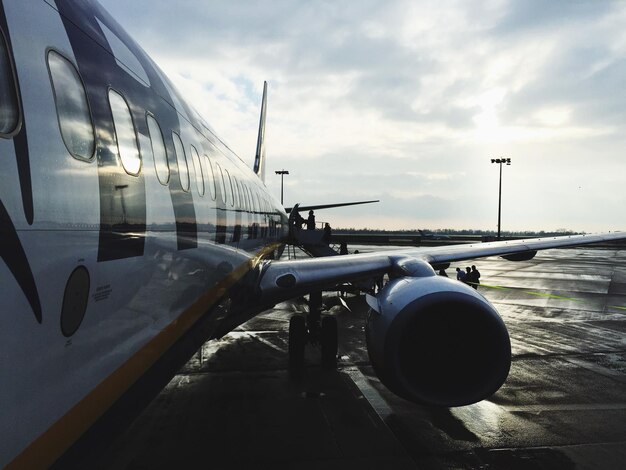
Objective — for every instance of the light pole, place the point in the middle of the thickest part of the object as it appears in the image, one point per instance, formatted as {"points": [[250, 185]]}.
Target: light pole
{"points": [[500, 161], [282, 174]]}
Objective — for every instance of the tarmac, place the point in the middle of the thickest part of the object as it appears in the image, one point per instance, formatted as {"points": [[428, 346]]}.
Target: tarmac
{"points": [[235, 406]]}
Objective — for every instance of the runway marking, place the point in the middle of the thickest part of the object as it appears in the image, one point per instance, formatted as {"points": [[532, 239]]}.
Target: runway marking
{"points": [[598, 369], [378, 403], [566, 407], [546, 295], [253, 335], [537, 294]]}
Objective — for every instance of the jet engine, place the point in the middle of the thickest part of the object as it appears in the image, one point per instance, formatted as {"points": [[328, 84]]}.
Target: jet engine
{"points": [[437, 341]]}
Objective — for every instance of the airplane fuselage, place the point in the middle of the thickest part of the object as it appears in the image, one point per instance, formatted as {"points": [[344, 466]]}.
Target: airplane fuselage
{"points": [[130, 233], [124, 220]]}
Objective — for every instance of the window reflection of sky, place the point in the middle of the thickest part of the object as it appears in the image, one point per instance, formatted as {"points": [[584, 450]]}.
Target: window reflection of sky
{"points": [[181, 160], [9, 114], [211, 176], [72, 108], [222, 182], [125, 132], [198, 170], [229, 188], [158, 150]]}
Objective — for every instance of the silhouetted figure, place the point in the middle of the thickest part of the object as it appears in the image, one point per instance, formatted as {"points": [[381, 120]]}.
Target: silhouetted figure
{"points": [[298, 220], [475, 277], [442, 272], [343, 248], [327, 233], [460, 275], [310, 222], [469, 277]]}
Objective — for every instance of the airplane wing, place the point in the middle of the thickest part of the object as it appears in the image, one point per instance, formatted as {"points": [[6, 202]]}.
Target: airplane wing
{"points": [[318, 273], [431, 339], [327, 206]]}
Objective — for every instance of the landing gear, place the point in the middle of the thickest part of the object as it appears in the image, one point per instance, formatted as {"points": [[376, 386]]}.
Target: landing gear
{"points": [[297, 341], [322, 334], [328, 342]]}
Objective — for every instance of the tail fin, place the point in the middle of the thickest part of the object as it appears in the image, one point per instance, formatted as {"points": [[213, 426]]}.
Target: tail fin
{"points": [[259, 159]]}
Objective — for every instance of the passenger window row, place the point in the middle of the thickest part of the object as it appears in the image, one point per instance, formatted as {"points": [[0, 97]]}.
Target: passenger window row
{"points": [[77, 131]]}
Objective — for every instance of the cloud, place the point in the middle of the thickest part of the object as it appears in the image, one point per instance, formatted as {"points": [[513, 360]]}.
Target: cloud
{"points": [[408, 101]]}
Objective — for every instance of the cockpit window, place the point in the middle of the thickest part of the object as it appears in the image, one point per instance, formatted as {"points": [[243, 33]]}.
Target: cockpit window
{"points": [[9, 109], [72, 107]]}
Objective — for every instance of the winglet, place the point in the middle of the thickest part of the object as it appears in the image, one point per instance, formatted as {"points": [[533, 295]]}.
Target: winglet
{"points": [[259, 159]]}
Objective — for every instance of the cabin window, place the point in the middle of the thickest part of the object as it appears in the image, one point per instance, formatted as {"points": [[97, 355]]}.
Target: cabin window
{"points": [[197, 170], [125, 133], [240, 203], [249, 200], [233, 180], [181, 161], [246, 198], [229, 189], [210, 176], [236, 192], [9, 109], [222, 183], [159, 153], [255, 207], [72, 107], [242, 191]]}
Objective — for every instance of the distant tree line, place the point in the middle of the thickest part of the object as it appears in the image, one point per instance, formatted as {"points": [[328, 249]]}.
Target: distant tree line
{"points": [[464, 232]]}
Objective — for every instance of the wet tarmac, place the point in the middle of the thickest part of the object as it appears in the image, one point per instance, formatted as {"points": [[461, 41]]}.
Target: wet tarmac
{"points": [[563, 406]]}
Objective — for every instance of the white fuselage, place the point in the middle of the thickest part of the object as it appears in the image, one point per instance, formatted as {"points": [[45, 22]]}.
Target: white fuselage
{"points": [[105, 266]]}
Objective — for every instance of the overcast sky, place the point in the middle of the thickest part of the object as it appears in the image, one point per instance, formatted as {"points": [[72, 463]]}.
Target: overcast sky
{"points": [[408, 101]]}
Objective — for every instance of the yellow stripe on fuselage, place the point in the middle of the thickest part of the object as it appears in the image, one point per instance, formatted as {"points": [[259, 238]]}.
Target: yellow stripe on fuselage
{"points": [[48, 447]]}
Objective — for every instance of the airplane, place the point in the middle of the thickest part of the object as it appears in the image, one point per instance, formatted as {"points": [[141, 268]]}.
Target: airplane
{"points": [[131, 234]]}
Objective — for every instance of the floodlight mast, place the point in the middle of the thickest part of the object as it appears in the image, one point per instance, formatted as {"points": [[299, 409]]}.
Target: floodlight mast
{"points": [[500, 161], [282, 173]]}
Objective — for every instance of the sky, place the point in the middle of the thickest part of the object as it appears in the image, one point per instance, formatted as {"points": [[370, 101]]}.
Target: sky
{"points": [[408, 102]]}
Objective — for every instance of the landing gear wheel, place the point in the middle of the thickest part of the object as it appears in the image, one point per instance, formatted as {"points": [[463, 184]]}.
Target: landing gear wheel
{"points": [[297, 341], [328, 340]]}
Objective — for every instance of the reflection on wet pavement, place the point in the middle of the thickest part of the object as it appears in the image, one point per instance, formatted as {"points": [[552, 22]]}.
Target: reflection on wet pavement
{"points": [[563, 406]]}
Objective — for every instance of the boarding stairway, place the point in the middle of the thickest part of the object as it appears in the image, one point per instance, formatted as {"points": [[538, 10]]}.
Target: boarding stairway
{"points": [[310, 241]]}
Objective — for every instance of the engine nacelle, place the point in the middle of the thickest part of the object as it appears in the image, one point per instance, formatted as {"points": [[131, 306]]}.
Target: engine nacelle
{"points": [[437, 341]]}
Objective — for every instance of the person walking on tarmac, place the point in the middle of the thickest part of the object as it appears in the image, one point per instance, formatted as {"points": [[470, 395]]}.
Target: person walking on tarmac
{"points": [[475, 277], [310, 222], [469, 277]]}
